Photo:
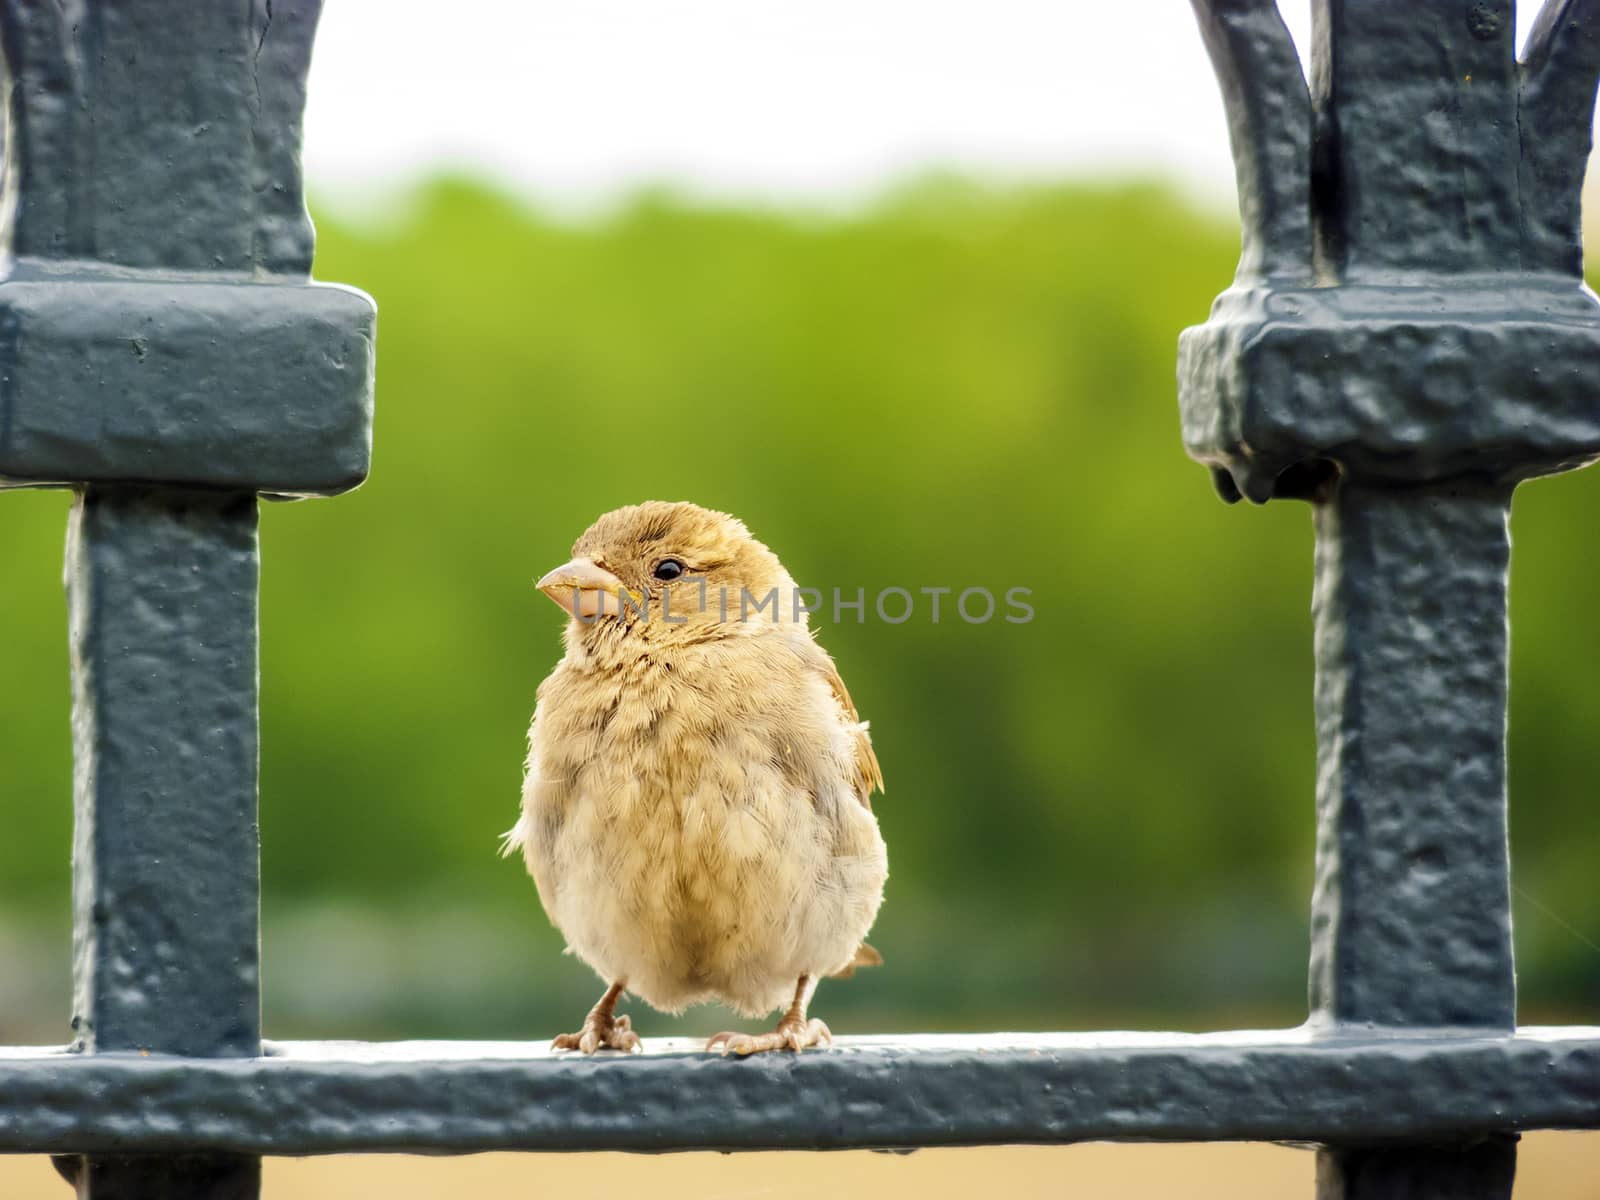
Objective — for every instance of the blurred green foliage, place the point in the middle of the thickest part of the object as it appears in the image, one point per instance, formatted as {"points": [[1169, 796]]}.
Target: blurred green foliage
{"points": [[1103, 816]]}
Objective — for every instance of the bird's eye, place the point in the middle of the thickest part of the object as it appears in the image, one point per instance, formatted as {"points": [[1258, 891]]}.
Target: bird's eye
{"points": [[669, 569]]}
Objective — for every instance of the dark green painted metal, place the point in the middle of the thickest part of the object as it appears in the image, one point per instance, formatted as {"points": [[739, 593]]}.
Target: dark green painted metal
{"points": [[1269, 124], [166, 847], [1493, 381], [1556, 114], [158, 134], [163, 350], [1411, 914], [1426, 347], [1460, 1086], [223, 385], [179, 1176], [1487, 1168]]}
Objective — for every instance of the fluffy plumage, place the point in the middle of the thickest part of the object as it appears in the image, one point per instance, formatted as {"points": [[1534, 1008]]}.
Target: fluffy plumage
{"points": [[695, 812]]}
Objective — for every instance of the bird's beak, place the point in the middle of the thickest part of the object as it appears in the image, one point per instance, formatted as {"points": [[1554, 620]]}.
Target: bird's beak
{"points": [[582, 588]]}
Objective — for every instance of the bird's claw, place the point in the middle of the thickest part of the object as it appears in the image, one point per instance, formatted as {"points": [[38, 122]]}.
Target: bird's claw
{"points": [[789, 1035], [613, 1034]]}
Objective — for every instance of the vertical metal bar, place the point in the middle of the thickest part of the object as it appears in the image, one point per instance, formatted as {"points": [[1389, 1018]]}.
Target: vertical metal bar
{"points": [[1418, 137], [162, 597], [1411, 913], [1427, 354], [154, 141], [162, 590], [1484, 1171], [180, 1177]]}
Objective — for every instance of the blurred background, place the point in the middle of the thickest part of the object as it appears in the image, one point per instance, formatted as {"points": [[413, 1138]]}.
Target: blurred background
{"points": [[899, 284]]}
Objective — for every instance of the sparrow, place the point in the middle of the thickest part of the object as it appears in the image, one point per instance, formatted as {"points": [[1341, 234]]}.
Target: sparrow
{"points": [[696, 808]]}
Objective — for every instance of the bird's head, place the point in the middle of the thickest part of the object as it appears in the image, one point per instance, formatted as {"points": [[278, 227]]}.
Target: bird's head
{"points": [[670, 571]]}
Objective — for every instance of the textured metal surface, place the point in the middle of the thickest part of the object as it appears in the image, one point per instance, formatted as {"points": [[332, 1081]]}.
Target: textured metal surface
{"points": [[158, 331], [1418, 141], [1561, 62], [1427, 347], [1490, 379], [159, 133], [166, 877], [228, 385], [1269, 127], [1411, 915], [1291, 1085], [1434, 324]]}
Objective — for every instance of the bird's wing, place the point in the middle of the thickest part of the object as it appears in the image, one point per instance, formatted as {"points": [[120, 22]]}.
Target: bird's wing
{"points": [[869, 775]]}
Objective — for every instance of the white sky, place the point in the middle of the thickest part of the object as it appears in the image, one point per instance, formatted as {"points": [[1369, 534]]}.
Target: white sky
{"points": [[575, 101]]}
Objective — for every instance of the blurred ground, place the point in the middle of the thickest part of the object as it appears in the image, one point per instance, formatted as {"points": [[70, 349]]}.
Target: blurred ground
{"points": [[1553, 1166]]}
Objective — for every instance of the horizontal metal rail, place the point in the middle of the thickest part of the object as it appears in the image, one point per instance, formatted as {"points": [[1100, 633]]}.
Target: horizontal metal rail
{"points": [[887, 1093]]}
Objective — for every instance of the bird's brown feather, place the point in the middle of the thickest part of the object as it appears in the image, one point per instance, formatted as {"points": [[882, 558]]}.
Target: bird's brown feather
{"points": [[869, 775]]}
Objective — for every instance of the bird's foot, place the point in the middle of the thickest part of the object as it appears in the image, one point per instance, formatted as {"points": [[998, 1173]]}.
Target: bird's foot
{"points": [[789, 1035], [608, 1032]]}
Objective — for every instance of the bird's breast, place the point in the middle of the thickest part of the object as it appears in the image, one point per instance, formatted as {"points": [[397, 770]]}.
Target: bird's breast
{"points": [[687, 825]]}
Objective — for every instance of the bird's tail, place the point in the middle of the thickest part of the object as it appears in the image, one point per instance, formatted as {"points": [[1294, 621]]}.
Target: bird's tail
{"points": [[866, 956]]}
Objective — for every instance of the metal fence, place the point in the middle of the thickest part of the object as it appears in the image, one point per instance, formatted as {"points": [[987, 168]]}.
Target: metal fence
{"points": [[1407, 338]]}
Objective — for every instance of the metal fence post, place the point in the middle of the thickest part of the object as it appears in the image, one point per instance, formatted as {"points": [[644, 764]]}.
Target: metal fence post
{"points": [[164, 352], [1407, 338]]}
